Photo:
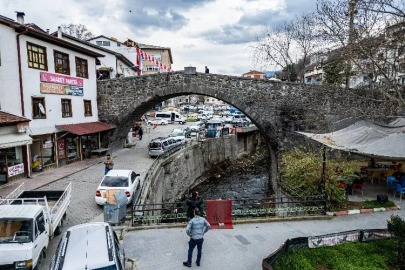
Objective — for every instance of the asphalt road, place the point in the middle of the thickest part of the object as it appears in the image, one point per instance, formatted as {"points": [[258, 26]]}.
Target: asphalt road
{"points": [[83, 208]]}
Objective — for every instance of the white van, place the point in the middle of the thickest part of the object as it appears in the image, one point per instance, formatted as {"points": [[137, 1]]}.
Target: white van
{"points": [[172, 117]]}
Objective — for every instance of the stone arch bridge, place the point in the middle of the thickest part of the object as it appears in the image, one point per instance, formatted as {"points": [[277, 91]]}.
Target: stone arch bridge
{"points": [[276, 108]]}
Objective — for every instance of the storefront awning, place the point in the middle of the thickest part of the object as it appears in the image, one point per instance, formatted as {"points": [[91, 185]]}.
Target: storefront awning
{"points": [[86, 128], [14, 139]]}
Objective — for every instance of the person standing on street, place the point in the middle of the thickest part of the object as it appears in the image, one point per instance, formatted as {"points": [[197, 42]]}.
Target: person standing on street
{"points": [[207, 69], [140, 133], [196, 229], [109, 164], [193, 202]]}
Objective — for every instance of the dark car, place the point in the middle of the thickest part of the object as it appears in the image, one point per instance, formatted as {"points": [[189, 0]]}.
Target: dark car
{"points": [[187, 132]]}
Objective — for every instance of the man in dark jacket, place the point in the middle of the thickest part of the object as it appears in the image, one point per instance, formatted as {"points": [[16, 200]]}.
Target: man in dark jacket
{"points": [[192, 203]]}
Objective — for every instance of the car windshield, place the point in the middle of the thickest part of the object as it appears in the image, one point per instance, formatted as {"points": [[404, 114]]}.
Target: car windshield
{"points": [[115, 181], [15, 230], [155, 145]]}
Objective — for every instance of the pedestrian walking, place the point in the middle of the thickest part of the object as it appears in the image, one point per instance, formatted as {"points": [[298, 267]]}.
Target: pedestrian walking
{"points": [[140, 133], [109, 164], [196, 229], [193, 202], [207, 69]]}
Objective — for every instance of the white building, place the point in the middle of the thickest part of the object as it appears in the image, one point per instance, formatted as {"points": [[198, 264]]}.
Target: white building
{"points": [[52, 84], [113, 64]]}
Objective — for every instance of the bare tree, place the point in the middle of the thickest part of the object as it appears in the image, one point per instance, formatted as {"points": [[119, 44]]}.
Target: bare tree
{"points": [[286, 44], [79, 31]]}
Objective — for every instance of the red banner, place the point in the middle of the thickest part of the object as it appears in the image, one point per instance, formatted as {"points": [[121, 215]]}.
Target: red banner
{"points": [[61, 148]]}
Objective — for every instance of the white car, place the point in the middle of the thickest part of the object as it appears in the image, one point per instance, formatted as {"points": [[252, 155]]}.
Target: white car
{"points": [[198, 126], [179, 136], [157, 121], [126, 180]]}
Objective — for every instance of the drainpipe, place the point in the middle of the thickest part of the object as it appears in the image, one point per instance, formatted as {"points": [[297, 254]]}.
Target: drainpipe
{"points": [[19, 70]]}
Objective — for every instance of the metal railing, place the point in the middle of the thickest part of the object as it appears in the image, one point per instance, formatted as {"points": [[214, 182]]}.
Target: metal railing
{"points": [[147, 214]]}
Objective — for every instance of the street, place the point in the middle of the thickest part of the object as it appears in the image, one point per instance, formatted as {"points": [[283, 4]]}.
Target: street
{"points": [[83, 208]]}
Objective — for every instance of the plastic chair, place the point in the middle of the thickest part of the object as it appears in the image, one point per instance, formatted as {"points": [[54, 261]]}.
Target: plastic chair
{"points": [[400, 190], [402, 181], [391, 182], [358, 184]]}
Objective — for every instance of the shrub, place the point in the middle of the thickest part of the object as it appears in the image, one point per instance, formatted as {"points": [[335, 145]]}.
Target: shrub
{"points": [[302, 175], [397, 226]]}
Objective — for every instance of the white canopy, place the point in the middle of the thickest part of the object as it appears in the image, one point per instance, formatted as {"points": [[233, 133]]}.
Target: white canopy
{"points": [[15, 139], [369, 139]]}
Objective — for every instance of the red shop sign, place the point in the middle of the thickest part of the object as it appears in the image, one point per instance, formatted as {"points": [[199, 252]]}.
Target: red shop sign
{"points": [[61, 148], [61, 79]]}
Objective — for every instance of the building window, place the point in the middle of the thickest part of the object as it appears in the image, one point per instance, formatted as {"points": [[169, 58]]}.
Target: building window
{"points": [[61, 62], [99, 43], [66, 108], [36, 56], [87, 108], [106, 43], [151, 68], [81, 68], [38, 108]]}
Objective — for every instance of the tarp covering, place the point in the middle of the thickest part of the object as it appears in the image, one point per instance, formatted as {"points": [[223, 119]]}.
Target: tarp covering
{"points": [[367, 138]]}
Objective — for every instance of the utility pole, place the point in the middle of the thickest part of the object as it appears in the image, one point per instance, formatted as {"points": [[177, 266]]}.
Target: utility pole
{"points": [[352, 12]]}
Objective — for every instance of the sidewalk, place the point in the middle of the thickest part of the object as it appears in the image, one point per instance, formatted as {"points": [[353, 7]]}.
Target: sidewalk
{"points": [[43, 178]]}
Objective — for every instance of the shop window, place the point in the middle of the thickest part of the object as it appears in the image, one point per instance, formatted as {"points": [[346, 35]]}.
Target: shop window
{"points": [[11, 163], [38, 108], [61, 62], [72, 148], [66, 108], [36, 56], [81, 68], [48, 151], [87, 108]]}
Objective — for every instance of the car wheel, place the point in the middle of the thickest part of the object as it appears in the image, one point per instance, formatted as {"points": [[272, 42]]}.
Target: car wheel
{"points": [[40, 260], [58, 229]]}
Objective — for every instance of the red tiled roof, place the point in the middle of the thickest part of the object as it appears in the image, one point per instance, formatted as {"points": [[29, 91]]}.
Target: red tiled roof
{"points": [[86, 128], [7, 119], [254, 72]]}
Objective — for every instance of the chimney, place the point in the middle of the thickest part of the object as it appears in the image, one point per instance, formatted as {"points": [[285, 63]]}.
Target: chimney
{"points": [[47, 31], [20, 17], [59, 32]]}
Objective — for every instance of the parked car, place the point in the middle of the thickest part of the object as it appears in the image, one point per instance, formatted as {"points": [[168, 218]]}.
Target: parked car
{"points": [[157, 121], [161, 145], [191, 118], [198, 126], [89, 246], [178, 135], [126, 180]]}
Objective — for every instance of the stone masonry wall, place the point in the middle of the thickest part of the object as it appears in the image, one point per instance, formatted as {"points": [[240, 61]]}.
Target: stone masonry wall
{"points": [[178, 172]]}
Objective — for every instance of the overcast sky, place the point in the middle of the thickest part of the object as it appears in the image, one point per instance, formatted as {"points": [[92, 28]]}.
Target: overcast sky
{"points": [[213, 33]]}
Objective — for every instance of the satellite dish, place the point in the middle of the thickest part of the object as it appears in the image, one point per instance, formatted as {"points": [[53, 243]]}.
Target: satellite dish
{"points": [[41, 108]]}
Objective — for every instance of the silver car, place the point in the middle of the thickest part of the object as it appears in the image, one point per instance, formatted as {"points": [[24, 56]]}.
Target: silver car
{"points": [[160, 146]]}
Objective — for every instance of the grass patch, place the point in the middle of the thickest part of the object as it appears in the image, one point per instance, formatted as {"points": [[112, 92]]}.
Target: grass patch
{"points": [[374, 255], [375, 204]]}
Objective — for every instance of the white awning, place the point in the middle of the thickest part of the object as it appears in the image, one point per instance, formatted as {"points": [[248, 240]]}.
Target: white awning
{"points": [[15, 139], [367, 138]]}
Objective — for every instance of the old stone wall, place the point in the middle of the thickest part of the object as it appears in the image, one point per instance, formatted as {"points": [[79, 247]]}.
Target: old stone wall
{"points": [[176, 174], [278, 109]]}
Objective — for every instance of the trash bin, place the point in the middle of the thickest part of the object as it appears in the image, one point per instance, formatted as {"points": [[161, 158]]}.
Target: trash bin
{"points": [[211, 133], [114, 213]]}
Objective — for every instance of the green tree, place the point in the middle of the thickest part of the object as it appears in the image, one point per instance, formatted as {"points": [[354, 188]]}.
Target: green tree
{"points": [[397, 226], [334, 72]]}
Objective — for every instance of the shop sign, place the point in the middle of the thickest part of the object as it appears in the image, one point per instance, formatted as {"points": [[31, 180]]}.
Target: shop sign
{"points": [[16, 169], [47, 144], [23, 127], [61, 148], [60, 79], [48, 88]]}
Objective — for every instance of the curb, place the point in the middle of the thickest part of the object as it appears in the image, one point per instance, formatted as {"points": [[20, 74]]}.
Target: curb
{"points": [[363, 211]]}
